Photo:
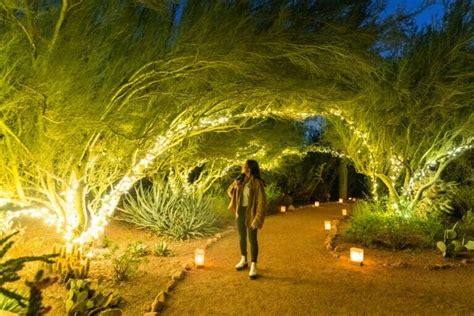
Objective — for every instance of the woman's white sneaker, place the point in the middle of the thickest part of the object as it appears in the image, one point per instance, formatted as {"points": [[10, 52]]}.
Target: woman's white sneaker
{"points": [[242, 264], [253, 271]]}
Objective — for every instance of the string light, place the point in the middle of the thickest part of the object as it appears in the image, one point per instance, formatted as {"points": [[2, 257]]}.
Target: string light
{"points": [[4, 201], [100, 218], [430, 166]]}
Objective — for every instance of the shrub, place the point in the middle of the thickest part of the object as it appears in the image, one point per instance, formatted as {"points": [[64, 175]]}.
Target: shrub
{"points": [[220, 207], [170, 212], [139, 249], [162, 250], [126, 263], [438, 200], [463, 201], [467, 224], [374, 224], [273, 194]]}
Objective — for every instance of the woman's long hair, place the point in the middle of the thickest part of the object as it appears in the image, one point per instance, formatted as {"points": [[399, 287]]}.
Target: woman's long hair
{"points": [[254, 169]]}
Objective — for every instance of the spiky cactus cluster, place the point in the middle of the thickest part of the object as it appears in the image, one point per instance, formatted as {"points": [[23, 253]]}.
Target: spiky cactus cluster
{"points": [[69, 264]]}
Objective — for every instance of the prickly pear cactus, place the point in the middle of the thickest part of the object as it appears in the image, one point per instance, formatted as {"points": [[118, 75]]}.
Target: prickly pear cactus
{"points": [[469, 245], [451, 246], [442, 247], [84, 299]]}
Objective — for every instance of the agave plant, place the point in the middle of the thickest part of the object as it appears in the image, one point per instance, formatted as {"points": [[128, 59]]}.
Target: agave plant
{"points": [[162, 249], [170, 211]]}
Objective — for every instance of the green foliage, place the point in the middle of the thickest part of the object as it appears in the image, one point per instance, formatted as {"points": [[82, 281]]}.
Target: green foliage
{"points": [[126, 262], [220, 207], [463, 200], [87, 87], [9, 304], [139, 248], [170, 212], [10, 269], [85, 299], [162, 250], [302, 177], [274, 194], [272, 191], [452, 244], [70, 264], [9, 227], [467, 224], [375, 224], [409, 126], [106, 242], [437, 200]]}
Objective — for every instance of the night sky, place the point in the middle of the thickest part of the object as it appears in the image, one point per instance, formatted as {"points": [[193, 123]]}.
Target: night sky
{"points": [[432, 13]]}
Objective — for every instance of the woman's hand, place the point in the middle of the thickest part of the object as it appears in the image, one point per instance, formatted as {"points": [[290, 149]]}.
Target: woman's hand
{"points": [[254, 225]]}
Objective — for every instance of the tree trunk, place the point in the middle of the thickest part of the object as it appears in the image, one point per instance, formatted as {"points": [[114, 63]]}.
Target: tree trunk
{"points": [[343, 179]]}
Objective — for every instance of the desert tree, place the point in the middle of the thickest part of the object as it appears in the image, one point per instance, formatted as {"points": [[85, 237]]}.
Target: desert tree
{"points": [[94, 96], [415, 119]]}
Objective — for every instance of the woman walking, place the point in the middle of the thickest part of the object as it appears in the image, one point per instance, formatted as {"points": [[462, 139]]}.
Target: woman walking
{"points": [[248, 201]]}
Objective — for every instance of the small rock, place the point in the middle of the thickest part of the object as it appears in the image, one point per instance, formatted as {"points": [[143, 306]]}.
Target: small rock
{"points": [[159, 302], [218, 235], [170, 286], [339, 248], [179, 275], [464, 261], [187, 266], [401, 264], [329, 246], [443, 266]]}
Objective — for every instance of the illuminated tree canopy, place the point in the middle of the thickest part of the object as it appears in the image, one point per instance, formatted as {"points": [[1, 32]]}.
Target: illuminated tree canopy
{"points": [[96, 95]]}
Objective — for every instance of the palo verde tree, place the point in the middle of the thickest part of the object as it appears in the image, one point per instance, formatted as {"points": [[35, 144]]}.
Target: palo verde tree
{"points": [[95, 94], [417, 116]]}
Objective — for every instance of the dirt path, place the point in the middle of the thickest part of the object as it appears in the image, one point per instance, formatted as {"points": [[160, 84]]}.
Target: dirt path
{"points": [[300, 277]]}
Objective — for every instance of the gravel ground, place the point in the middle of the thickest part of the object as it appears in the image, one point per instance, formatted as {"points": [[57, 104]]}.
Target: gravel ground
{"points": [[300, 277]]}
